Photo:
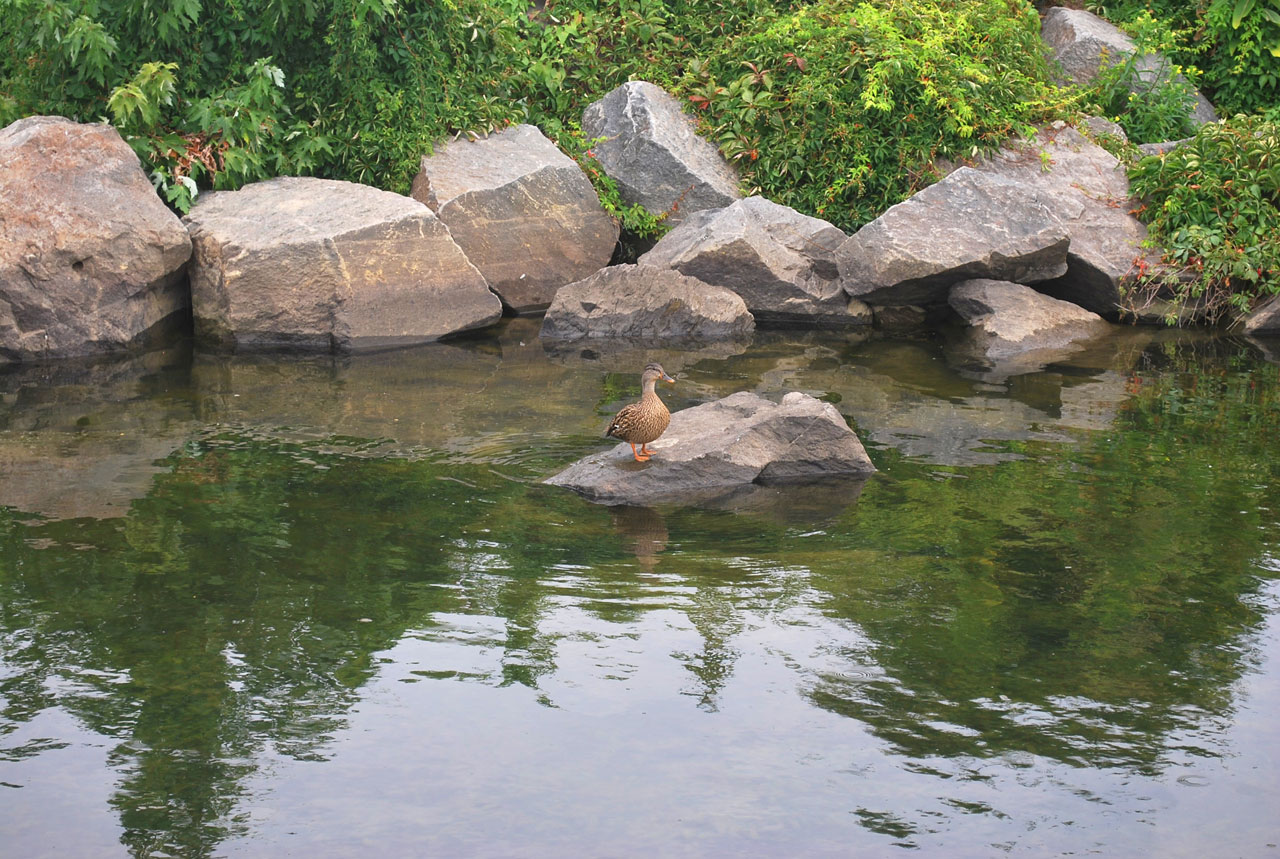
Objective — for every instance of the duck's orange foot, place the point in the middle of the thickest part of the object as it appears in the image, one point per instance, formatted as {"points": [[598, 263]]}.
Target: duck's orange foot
{"points": [[641, 455]]}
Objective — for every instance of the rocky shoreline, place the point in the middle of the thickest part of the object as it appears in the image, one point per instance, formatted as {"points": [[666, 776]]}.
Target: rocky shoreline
{"points": [[92, 261]]}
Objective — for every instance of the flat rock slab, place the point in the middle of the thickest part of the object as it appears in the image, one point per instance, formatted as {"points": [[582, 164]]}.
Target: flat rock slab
{"points": [[326, 265], [651, 149], [970, 224], [523, 212], [633, 301], [1012, 318], [717, 448], [781, 262], [1082, 42], [90, 259]]}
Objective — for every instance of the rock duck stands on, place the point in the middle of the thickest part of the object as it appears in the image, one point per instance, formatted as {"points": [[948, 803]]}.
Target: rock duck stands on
{"points": [[717, 448]]}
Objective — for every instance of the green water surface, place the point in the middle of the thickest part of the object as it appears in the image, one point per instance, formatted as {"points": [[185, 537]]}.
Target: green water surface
{"points": [[274, 606]]}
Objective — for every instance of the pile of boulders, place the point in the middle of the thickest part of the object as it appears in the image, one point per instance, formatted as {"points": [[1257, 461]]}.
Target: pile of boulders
{"points": [[91, 260]]}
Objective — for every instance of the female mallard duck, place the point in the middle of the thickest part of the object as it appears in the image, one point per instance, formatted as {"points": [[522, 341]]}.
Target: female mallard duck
{"points": [[642, 422]]}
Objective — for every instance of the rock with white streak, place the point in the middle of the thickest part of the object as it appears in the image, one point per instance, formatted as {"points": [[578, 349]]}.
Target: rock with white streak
{"points": [[651, 149]]}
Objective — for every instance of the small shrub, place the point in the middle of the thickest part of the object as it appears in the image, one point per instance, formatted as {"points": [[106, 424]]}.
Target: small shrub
{"points": [[1149, 110], [1234, 43], [1213, 204]]}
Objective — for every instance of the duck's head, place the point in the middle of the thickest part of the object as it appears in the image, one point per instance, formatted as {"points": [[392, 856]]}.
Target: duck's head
{"points": [[655, 372]]}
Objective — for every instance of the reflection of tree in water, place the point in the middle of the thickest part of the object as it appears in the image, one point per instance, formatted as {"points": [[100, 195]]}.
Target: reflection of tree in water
{"points": [[1069, 605], [1084, 604], [234, 611]]}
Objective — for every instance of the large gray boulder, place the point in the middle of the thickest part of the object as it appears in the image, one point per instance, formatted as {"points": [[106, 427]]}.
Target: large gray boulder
{"points": [[716, 448], [781, 262], [90, 259], [633, 301], [522, 211], [1012, 326], [1089, 190], [970, 224], [1082, 42], [322, 264], [652, 150]]}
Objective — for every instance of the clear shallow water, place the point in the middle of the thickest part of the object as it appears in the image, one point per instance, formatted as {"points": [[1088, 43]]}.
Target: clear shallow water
{"points": [[272, 606]]}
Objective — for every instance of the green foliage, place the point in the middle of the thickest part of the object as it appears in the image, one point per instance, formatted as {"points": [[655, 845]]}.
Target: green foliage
{"points": [[1214, 205], [1234, 43], [835, 107], [1150, 106], [839, 109]]}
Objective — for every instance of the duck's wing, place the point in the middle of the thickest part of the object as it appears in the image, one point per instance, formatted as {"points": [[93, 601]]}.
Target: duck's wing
{"points": [[624, 418]]}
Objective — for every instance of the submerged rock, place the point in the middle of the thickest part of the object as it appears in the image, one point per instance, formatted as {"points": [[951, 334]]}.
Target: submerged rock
{"points": [[522, 211], [1082, 42], [329, 265], [717, 448], [651, 149], [970, 224], [631, 301], [781, 262], [90, 259]]}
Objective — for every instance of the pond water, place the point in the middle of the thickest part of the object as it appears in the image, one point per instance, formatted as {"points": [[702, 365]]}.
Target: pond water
{"points": [[271, 606]]}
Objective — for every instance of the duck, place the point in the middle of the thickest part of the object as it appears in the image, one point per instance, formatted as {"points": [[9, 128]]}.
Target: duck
{"points": [[642, 422]]}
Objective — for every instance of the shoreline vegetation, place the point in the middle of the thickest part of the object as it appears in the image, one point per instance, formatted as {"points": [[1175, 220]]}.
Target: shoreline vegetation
{"points": [[835, 108]]}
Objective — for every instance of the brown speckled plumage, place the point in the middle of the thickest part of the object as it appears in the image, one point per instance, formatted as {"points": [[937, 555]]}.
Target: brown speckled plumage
{"points": [[642, 422]]}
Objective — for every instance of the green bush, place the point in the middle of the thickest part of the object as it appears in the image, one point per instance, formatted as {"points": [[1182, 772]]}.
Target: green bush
{"points": [[1150, 111], [1234, 43], [1213, 204], [840, 108]]}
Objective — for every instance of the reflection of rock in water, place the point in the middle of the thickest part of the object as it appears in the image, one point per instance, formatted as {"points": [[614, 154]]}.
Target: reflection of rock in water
{"points": [[627, 356], [809, 504], [904, 395], [476, 396], [645, 529], [80, 438]]}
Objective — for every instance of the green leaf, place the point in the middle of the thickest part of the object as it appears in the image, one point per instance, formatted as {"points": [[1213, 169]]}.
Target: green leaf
{"points": [[1242, 9]]}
